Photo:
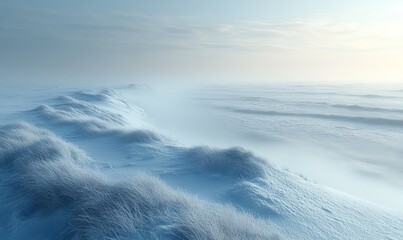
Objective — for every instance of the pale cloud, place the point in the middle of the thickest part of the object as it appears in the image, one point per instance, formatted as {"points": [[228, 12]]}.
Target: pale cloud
{"points": [[130, 42], [133, 30]]}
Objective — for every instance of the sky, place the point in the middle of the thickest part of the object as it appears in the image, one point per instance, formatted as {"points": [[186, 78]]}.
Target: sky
{"points": [[91, 41]]}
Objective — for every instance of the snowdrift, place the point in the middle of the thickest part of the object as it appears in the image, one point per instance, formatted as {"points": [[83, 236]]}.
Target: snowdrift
{"points": [[143, 185], [92, 120], [44, 174]]}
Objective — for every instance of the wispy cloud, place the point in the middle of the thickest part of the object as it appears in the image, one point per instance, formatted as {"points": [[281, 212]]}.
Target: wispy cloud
{"points": [[39, 38], [134, 31]]}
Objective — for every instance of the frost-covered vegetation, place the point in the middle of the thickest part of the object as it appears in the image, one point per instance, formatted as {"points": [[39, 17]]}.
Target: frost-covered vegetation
{"points": [[43, 174], [90, 165]]}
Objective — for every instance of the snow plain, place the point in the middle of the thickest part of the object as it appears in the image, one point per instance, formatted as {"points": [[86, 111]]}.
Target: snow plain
{"points": [[135, 162]]}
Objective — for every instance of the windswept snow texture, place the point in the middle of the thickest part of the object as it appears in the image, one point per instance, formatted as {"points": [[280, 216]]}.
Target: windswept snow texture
{"points": [[44, 174], [346, 137], [93, 165]]}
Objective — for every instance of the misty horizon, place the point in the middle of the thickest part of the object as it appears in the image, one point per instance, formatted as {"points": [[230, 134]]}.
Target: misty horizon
{"points": [[205, 120]]}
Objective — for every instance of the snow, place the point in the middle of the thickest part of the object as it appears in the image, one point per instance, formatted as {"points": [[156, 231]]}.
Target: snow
{"points": [[102, 164]]}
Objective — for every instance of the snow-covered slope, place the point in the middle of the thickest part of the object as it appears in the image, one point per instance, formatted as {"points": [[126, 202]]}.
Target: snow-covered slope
{"points": [[91, 165]]}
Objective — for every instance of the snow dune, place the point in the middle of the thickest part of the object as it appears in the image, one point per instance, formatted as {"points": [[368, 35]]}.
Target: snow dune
{"points": [[44, 174], [117, 177]]}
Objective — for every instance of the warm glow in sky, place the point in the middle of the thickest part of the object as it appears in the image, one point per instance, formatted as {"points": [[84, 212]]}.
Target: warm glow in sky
{"points": [[261, 40]]}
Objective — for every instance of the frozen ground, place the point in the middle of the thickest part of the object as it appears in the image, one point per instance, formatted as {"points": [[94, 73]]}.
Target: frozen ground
{"points": [[137, 162]]}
